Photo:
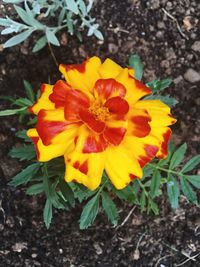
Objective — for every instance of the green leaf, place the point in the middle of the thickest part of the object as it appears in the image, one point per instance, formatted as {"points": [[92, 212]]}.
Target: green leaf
{"points": [[173, 191], [29, 91], [4, 22], [72, 6], [40, 44], [110, 208], [155, 183], [9, 112], [23, 102], [136, 63], [19, 38], [25, 152], [188, 191], [35, 189], [191, 164], [22, 134], [178, 156], [152, 206], [159, 85], [51, 37], [23, 15], [25, 175], [98, 34], [89, 212], [170, 101], [194, 180], [66, 191], [47, 213]]}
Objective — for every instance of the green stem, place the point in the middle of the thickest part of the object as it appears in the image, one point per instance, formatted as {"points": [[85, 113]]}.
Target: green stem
{"points": [[166, 170], [46, 180]]}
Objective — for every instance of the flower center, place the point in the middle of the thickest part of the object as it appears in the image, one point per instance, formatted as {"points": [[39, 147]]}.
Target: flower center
{"points": [[100, 112]]}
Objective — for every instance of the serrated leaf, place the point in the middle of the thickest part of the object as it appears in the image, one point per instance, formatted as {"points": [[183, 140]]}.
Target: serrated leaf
{"points": [[136, 63], [173, 191], [9, 112], [159, 85], [22, 134], [89, 212], [155, 183], [35, 189], [110, 208], [25, 152], [194, 180], [47, 213], [29, 91], [51, 37], [66, 191], [19, 38], [187, 190], [40, 44], [72, 6], [178, 156], [191, 164], [170, 101], [25, 175]]}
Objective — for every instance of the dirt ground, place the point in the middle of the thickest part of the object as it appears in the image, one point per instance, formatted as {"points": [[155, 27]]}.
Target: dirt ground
{"points": [[166, 34]]}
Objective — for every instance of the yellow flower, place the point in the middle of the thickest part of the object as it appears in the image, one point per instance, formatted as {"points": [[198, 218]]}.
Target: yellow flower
{"points": [[98, 121]]}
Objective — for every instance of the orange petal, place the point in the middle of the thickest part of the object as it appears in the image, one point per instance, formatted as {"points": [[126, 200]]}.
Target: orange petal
{"points": [[86, 169], [59, 93], [82, 76], [43, 101]]}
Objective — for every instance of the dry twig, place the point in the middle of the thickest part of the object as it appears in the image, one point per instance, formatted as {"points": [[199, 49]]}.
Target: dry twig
{"points": [[177, 24]]}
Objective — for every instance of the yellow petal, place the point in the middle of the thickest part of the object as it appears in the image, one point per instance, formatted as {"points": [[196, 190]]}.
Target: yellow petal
{"points": [[82, 76], [43, 101], [120, 166], [135, 89], [46, 153], [86, 169], [109, 69], [158, 111]]}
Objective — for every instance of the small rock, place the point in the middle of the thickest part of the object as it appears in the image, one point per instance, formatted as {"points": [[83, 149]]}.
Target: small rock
{"points": [[112, 48], [178, 79], [196, 46], [192, 76], [17, 247], [98, 249]]}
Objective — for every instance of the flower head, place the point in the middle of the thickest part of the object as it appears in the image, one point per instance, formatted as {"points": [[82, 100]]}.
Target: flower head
{"points": [[98, 121]]}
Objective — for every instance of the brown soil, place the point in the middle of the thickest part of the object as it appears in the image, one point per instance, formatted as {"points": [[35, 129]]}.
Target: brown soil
{"points": [[166, 240]]}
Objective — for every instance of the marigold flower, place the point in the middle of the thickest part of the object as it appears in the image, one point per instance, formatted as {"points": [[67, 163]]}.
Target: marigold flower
{"points": [[98, 120]]}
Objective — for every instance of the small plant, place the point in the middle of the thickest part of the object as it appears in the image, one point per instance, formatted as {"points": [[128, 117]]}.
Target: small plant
{"points": [[48, 18], [100, 165]]}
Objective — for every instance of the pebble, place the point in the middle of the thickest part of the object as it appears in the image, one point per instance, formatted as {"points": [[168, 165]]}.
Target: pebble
{"points": [[196, 46], [192, 76]]}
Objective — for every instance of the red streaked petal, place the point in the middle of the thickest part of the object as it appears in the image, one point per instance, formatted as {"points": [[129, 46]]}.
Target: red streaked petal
{"points": [[139, 123], [89, 119], [59, 93], [117, 105], [163, 152], [48, 129], [106, 88], [94, 144], [75, 101], [151, 151], [114, 135]]}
